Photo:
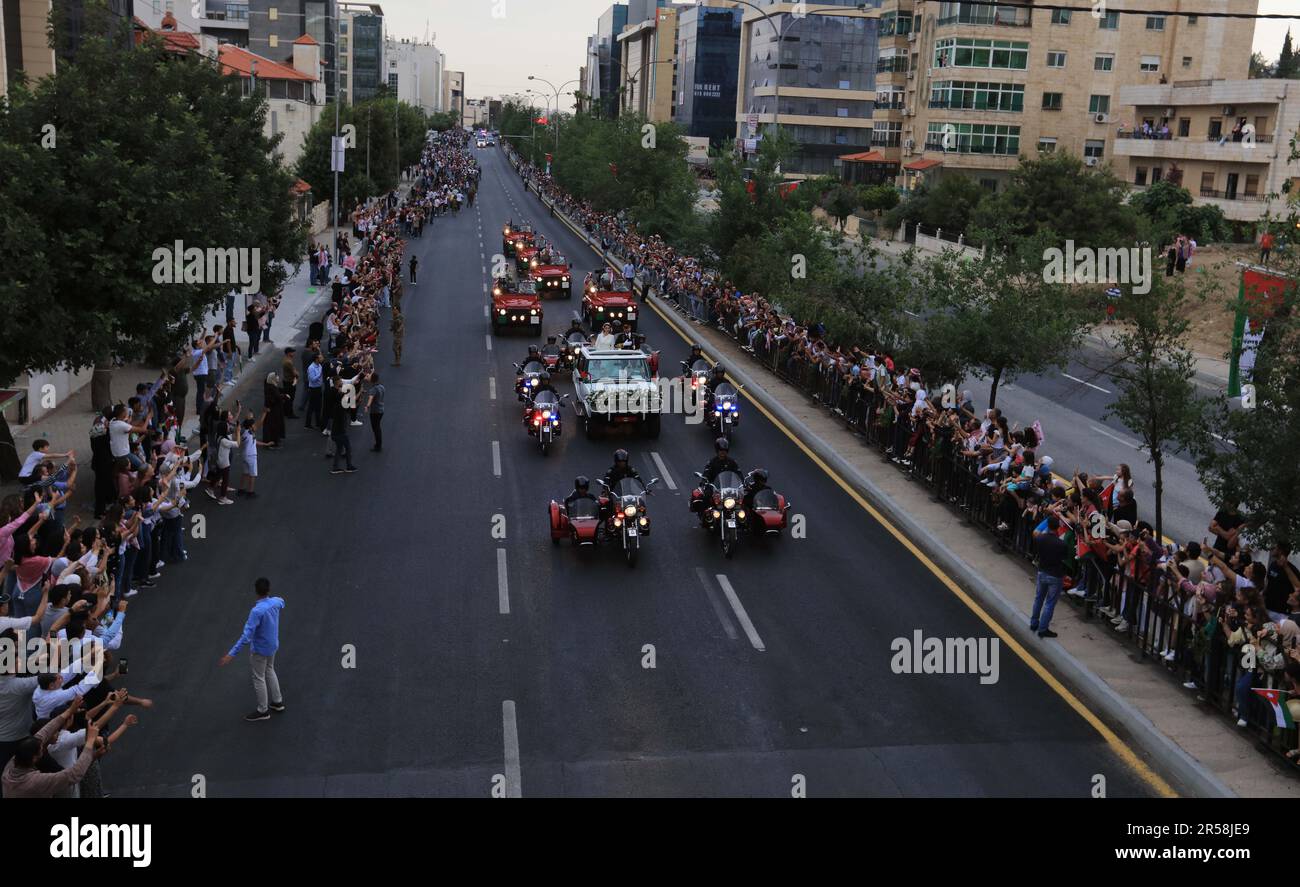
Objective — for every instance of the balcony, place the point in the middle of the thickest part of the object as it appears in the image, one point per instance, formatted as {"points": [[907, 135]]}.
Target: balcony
{"points": [[1242, 207], [1007, 18], [1208, 148]]}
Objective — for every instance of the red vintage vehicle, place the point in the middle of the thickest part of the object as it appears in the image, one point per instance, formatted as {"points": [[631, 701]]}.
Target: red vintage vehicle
{"points": [[514, 236], [606, 298], [552, 273], [515, 306], [526, 257]]}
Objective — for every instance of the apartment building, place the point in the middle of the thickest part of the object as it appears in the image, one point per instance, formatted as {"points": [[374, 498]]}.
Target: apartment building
{"points": [[453, 92], [294, 92], [273, 26], [1225, 141], [24, 46], [415, 72], [649, 57], [968, 89], [809, 68]]}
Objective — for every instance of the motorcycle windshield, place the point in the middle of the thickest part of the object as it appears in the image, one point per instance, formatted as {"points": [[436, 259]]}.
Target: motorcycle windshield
{"points": [[533, 367], [551, 350], [699, 366], [629, 486], [581, 508], [728, 480], [724, 391], [765, 498], [576, 339], [547, 400]]}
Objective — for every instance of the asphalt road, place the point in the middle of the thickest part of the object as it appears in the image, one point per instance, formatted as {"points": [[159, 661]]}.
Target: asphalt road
{"points": [[769, 668]]}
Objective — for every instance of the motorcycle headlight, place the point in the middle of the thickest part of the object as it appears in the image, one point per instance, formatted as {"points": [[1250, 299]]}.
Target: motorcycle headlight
{"points": [[741, 514], [546, 414], [532, 382], [630, 511], [534, 263], [728, 502], [618, 521], [644, 521], [717, 412], [717, 513]]}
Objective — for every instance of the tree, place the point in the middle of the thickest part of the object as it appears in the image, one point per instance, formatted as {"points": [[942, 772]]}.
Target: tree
{"points": [[840, 202], [879, 198], [948, 204], [1169, 210], [999, 315], [1056, 193], [1152, 371], [1260, 67], [1288, 63], [149, 149]]}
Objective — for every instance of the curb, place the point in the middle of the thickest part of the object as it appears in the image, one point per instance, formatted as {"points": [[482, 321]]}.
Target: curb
{"points": [[1176, 762]]}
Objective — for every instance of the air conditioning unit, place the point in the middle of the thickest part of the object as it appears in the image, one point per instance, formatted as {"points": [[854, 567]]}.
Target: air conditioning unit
{"points": [[910, 112], [1169, 112], [909, 144], [911, 75], [1090, 161], [1229, 110], [911, 38], [1101, 118]]}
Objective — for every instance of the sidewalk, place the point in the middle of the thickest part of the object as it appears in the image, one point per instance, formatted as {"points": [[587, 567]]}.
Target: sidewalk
{"points": [[1138, 697]]}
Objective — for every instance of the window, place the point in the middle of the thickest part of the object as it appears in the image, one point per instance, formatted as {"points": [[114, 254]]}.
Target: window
{"points": [[1060, 16], [966, 52], [1216, 128], [343, 63], [343, 26], [273, 14], [1052, 101], [971, 14], [1109, 22], [1155, 23], [343, 45], [273, 41], [1187, 61], [1207, 182], [989, 184], [1184, 127], [1055, 59], [886, 134], [1047, 144], [1094, 148], [1150, 63], [1192, 20], [1099, 104], [1252, 186], [392, 82], [1103, 61], [973, 96], [973, 138], [1140, 175]]}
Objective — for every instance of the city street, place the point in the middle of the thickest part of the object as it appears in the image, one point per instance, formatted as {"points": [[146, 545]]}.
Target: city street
{"points": [[477, 655]]}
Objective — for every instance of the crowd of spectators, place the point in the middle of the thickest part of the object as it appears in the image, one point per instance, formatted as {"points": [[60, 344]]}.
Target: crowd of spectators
{"points": [[1190, 606], [62, 579]]}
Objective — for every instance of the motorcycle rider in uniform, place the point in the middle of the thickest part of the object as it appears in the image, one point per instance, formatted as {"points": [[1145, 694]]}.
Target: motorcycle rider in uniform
{"points": [[697, 353], [754, 484], [581, 490], [543, 384]]}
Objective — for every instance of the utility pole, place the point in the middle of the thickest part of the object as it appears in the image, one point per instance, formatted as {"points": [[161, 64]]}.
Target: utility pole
{"points": [[336, 158]]}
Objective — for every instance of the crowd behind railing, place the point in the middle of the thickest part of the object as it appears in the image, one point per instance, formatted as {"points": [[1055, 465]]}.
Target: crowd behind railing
{"points": [[1225, 623]]}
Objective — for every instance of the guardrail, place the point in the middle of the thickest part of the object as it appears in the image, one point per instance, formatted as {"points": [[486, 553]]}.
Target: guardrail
{"points": [[1162, 626]]}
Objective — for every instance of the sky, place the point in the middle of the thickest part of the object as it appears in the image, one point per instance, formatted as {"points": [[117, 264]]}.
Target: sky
{"points": [[498, 43]]}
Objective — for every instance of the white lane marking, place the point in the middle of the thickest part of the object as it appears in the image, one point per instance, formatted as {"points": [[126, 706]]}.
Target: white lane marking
{"points": [[1116, 437], [509, 726], [741, 615], [496, 458], [503, 584], [486, 312], [716, 604], [492, 387], [485, 285], [1082, 382], [488, 337], [663, 471]]}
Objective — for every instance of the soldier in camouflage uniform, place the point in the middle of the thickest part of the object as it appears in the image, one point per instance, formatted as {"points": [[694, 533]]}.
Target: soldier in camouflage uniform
{"points": [[399, 330]]}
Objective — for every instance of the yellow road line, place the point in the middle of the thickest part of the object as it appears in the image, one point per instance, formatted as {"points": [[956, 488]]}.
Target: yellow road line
{"points": [[1117, 745]]}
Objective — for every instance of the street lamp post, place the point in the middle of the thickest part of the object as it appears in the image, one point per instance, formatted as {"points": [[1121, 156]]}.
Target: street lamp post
{"points": [[557, 104]]}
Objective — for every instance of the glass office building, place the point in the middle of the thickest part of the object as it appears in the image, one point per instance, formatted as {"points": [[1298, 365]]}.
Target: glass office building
{"points": [[708, 54]]}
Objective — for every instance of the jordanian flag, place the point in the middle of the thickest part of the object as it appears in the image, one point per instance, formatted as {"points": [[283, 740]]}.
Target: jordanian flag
{"points": [[1281, 714]]}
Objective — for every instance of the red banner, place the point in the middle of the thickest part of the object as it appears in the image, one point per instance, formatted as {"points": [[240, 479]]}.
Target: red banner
{"points": [[1263, 292]]}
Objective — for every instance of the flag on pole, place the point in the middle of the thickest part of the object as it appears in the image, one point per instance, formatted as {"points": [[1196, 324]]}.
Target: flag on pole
{"points": [[1281, 714]]}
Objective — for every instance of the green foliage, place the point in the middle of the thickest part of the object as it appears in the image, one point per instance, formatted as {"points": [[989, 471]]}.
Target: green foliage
{"points": [[1169, 211], [150, 149], [377, 145], [1153, 371], [1288, 64], [879, 198], [949, 204], [1057, 194]]}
